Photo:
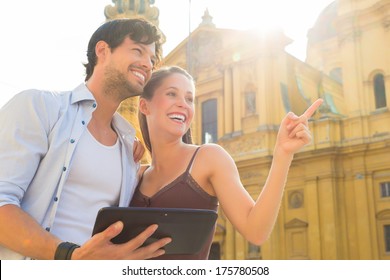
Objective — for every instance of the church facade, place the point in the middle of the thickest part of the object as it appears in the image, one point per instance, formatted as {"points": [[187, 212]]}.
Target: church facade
{"points": [[336, 203]]}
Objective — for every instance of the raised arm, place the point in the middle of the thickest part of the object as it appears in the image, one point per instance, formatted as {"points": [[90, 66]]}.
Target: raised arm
{"points": [[255, 220]]}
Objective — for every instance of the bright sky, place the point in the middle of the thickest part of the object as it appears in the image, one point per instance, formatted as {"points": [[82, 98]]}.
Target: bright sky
{"points": [[43, 42]]}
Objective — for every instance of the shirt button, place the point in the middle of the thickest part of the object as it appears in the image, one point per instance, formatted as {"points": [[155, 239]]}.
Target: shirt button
{"points": [[64, 168], [72, 141], [56, 199], [83, 122], [47, 229], [94, 105]]}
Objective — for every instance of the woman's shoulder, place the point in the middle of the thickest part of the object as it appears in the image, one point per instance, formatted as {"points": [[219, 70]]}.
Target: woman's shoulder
{"points": [[213, 152], [214, 160], [212, 147]]}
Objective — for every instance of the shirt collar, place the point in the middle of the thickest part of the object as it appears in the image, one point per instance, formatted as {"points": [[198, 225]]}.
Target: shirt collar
{"points": [[123, 126], [81, 93]]}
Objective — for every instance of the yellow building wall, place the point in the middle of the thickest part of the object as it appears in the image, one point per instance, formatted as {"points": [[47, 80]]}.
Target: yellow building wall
{"points": [[332, 207]]}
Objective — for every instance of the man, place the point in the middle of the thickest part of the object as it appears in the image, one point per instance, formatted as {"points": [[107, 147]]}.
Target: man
{"points": [[65, 155]]}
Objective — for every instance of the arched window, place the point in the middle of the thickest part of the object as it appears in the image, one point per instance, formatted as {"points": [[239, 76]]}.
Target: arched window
{"points": [[386, 229], [337, 74], [209, 121], [379, 91]]}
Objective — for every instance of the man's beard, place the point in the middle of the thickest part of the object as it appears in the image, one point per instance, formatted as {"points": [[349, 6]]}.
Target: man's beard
{"points": [[117, 85]]}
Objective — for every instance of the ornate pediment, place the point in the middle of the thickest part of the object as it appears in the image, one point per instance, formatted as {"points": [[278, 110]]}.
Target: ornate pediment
{"points": [[204, 47], [296, 223]]}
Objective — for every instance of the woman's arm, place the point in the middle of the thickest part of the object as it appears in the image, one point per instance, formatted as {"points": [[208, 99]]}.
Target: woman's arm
{"points": [[255, 220]]}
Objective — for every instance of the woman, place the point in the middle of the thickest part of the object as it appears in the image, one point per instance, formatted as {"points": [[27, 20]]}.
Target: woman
{"points": [[183, 175]]}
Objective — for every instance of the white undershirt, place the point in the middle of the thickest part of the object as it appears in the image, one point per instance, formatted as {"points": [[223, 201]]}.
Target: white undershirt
{"points": [[94, 182]]}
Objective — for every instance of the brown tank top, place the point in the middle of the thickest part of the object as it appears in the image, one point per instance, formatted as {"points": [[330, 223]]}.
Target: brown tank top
{"points": [[183, 192]]}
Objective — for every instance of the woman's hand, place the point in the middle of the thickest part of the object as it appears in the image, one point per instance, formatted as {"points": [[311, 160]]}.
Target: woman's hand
{"points": [[294, 132]]}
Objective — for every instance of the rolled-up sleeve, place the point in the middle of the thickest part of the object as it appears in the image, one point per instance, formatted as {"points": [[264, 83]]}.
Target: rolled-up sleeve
{"points": [[24, 141]]}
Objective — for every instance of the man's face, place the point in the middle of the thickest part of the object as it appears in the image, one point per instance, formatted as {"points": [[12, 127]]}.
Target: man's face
{"points": [[129, 66]]}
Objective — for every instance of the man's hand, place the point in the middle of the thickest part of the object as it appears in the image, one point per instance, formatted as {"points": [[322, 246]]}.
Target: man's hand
{"points": [[99, 247]]}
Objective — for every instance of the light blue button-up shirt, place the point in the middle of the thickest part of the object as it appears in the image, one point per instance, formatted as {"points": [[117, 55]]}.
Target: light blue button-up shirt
{"points": [[39, 132]]}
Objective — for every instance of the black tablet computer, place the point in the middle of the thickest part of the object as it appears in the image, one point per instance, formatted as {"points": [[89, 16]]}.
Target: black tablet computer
{"points": [[188, 228]]}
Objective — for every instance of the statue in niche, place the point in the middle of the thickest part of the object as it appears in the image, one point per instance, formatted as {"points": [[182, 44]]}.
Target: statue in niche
{"points": [[250, 103]]}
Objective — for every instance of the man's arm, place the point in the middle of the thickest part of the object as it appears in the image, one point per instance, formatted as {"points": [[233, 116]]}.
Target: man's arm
{"points": [[21, 233]]}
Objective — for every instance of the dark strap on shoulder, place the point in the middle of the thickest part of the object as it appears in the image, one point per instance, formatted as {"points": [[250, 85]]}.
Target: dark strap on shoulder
{"points": [[192, 160]]}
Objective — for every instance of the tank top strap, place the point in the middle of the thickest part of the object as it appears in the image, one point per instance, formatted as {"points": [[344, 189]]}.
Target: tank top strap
{"points": [[192, 160]]}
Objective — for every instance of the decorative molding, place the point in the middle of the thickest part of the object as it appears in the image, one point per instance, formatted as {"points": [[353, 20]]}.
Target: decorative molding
{"points": [[203, 51], [295, 199], [383, 215], [132, 9], [250, 174], [296, 223], [247, 144]]}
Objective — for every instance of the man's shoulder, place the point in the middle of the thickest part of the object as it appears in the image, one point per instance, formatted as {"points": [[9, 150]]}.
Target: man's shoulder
{"points": [[33, 96], [53, 97], [46, 104], [123, 125]]}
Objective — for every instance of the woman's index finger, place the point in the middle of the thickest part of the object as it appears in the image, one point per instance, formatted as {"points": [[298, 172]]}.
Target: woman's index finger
{"points": [[313, 107]]}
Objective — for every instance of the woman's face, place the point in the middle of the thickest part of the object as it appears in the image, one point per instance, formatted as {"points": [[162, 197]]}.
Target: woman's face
{"points": [[172, 105]]}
